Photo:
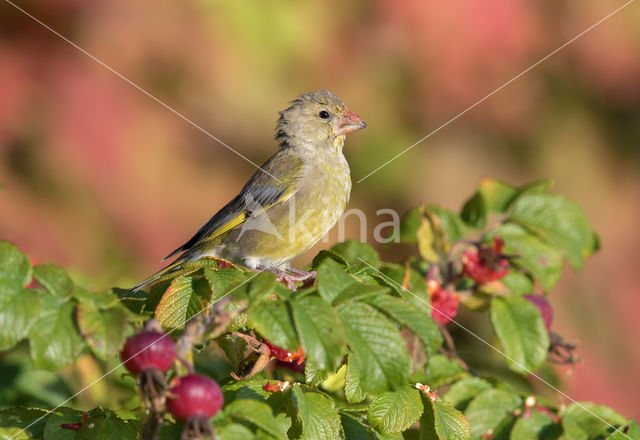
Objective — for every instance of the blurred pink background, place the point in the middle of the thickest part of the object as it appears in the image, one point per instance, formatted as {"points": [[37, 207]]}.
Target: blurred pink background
{"points": [[100, 178]]}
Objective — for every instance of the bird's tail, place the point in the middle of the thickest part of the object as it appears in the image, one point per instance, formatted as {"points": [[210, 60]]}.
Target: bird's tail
{"points": [[173, 267]]}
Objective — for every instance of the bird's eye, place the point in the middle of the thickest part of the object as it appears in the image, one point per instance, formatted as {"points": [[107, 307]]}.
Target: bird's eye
{"points": [[324, 114]]}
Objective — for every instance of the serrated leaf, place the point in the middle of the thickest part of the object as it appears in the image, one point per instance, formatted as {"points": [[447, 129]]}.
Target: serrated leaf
{"points": [[227, 280], [185, 297], [353, 429], [357, 254], [395, 411], [382, 353], [537, 426], [521, 332], [53, 339], [106, 425], [14, 261], [496, 194], [588, 421], [103, 330], [256, 413], [55, 279], [272, 319], [557, 220], [326, 254], [474, 211], [52, 428], [442, 421], [28, 421], [463, 391], [489, 409], [352, 389], [332, 279], [19, 309], [321, 332], [541, 260], [417, 320], [317, 414]]}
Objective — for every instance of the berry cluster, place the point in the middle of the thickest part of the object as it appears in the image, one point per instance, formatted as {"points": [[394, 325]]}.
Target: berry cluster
{"points": [[192, 399]]}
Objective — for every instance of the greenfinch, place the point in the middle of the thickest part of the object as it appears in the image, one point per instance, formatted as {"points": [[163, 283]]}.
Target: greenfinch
{"points": [[295, 197]]}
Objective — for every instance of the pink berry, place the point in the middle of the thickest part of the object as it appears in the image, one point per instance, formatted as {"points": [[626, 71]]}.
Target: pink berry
{"points": [[194, 396], [148, 349], [543, 307]]}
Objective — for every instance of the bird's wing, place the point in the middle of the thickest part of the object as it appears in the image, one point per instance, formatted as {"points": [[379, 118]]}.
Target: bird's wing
{"points": [[263, 191]]}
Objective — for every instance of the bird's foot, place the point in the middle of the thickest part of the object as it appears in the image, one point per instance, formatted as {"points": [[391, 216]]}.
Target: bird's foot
{"points": [[290, 276]]}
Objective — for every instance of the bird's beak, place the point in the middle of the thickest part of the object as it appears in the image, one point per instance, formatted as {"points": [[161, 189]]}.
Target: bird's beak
{"points": [[349, 122]]}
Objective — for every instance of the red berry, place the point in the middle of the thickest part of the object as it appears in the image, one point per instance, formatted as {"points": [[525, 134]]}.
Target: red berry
{"points": [[543, 307], [148, 349], [486, 264], [194, 396]]}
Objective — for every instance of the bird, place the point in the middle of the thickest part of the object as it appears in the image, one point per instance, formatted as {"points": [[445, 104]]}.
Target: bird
{"points": [[290, 202]]}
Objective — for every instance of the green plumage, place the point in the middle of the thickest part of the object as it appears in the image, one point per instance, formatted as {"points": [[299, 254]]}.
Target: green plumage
{"points": [[292, 200]]}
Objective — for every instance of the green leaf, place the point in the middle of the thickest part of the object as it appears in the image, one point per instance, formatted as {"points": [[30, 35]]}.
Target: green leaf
{"points": [[353, 429], [52, 428], [19, 309], [225, 281], [332, 280], [538, 425], [352, 389], [317, 414], [463, 391], [234, 431], [261, 286], [417, 320], [521, 332], [557, 220], [382, 353], [633, 432], [53, 338], [442, 371], [102, 299], [541, 260], [395, 411], [442, 421], [321, 332], [14, 261], [103, 330], [54, 279], [324, 255], [496, 194], [588, 421], [106, 425], [29, 421], [489, 409], [427, 242], [409, 225], [256, 413], [185, 298], [357, 254], [474, 211], [451, 223], [272, 320], [517, 282]]}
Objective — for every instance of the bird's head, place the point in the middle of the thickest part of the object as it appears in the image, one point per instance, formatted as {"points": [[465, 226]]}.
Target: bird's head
{"points": [[315, 120]]}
